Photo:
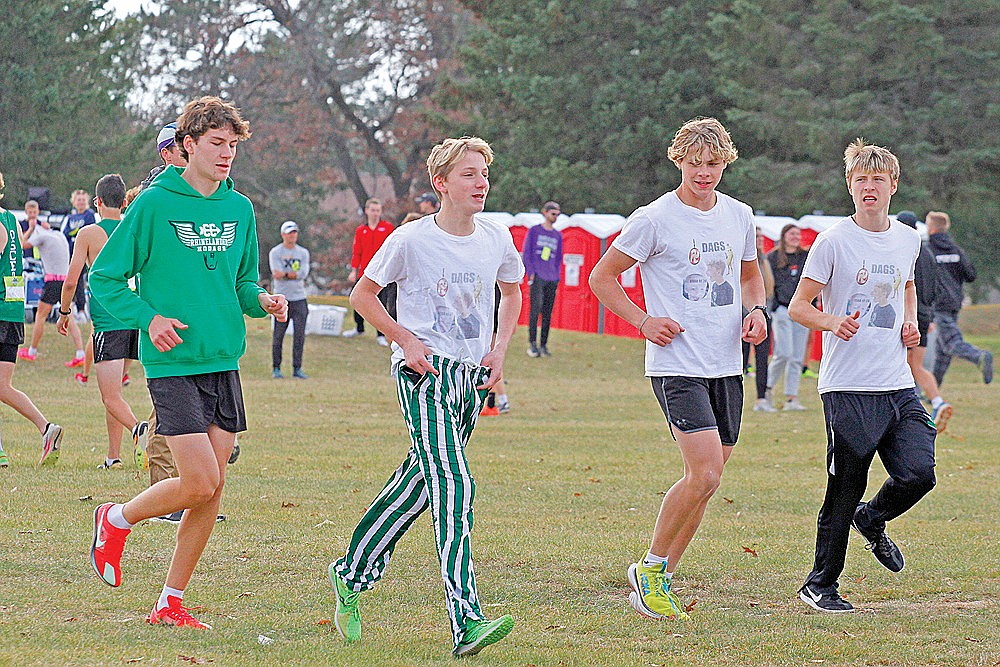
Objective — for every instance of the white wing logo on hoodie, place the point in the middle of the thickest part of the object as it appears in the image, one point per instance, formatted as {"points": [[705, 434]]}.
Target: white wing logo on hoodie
{"points": [[206, 238]]}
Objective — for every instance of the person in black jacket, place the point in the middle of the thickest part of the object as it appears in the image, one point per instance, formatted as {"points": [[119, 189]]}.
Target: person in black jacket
{"points": [[786, 260], [925, 279], [954, 269]]}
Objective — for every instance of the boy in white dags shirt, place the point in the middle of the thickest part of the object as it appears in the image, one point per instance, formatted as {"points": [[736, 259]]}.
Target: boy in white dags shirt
{"points": [[445, 360], [698, 253], [863, 266]]}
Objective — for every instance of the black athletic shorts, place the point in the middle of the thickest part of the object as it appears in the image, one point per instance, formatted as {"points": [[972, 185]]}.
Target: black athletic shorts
{"points": [[190, 403], [52, 292], [11, 337], [702, 404], [117, 344]]}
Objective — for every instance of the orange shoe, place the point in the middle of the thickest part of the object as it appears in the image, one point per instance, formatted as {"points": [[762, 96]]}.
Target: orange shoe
{"points": [[176, 615], [74, 362]]}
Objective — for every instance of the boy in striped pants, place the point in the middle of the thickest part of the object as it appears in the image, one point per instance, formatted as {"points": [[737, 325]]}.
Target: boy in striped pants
{"points": [[446, 265]]}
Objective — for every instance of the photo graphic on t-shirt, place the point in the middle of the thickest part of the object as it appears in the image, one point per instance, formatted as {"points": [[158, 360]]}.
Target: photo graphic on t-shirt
{"points": [[722, 291], [469, 325], [860, 303], [883, 314], [695, 287]]}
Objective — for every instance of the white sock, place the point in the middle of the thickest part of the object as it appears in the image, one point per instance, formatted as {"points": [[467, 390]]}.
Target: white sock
{"points": [[117, 519], [32, 350], [80, 354], [936, 401], [168, 591], [652, 560], [501, 399]]}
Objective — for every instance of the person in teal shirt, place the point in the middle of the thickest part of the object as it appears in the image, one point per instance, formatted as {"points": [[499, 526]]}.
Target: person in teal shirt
{"points": [[192, 240], [12, 335]]}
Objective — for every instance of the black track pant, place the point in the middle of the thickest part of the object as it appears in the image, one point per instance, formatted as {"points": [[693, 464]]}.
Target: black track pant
{"points": [[858, 425], [543, 298], [298, 312]]}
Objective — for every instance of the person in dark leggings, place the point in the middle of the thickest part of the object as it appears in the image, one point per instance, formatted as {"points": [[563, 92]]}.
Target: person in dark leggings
{"points": [[762, 350]]}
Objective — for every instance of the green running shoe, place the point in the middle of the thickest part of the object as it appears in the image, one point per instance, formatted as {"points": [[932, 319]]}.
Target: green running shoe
{"points": [[346, 618], [651, 595], [480, 634], [3, 459]]}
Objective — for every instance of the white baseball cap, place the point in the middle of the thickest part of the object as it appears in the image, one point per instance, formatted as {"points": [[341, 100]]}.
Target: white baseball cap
{"points": [[289, 226], [167, 136]]}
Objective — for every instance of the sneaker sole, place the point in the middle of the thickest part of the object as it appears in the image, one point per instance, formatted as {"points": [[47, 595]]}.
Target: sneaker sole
{"points": [[490, 638], [941, 422], [812, 603], [51, 457], [93, 547], [635, 597]]}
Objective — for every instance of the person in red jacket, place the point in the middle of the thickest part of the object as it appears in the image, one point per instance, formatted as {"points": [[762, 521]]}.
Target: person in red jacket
{"points": [[368, 238]]}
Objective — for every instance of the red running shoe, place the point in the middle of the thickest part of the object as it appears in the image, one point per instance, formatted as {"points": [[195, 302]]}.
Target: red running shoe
{"points": [[74, 362], [81, 378], [106, 550], [176, 615]]}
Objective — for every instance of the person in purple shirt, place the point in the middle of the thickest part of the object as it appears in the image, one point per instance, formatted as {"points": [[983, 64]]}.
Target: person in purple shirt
{"points": [[81, 216], [543, 250]]}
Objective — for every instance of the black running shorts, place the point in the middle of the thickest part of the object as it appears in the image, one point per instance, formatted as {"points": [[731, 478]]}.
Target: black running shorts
{"points": [[52, 292], [188, 404], [11, 337], [117, 344], [702, 404]]}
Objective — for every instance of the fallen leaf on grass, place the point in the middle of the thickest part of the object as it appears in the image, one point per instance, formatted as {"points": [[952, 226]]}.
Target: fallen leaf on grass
{"points": [[347, 466], [690, 605], [69, 618], [285, 505], [753, 603], [555, 627], [848, 634], [323, 621], [817, 661], [577, 495], [194, 660], [858, 580], [750, 551], [594, 480], [973, 639], [133, 660], [85, 498], [245, 594], [728, 500], [952, 519]]}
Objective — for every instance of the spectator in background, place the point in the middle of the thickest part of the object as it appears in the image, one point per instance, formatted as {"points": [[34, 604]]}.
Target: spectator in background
{"points": [[31, 211], [54, 251], [427, 203], [925, 279], [289, 267], [166, 146], [81, 216], [542, 254], [762, 350], [954, 270], [786, 260], [368, 238]]}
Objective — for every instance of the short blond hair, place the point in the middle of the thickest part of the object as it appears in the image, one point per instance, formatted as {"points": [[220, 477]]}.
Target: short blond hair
{"points": [[446, 155], [861, 156], [698, 134], [937, 220]]}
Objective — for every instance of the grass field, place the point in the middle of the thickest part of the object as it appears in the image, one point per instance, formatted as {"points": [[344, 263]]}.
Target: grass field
{"points": [[568, 487]]}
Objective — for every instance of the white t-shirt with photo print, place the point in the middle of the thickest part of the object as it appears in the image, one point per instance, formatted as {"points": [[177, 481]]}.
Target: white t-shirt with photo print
{"points": [[690, 264], [864, 272], [446, 283]]}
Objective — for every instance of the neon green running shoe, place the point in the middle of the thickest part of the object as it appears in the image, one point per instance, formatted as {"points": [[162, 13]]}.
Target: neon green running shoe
{"points": [[3, 459], [480, 634], [346, 617], [651, 595]]}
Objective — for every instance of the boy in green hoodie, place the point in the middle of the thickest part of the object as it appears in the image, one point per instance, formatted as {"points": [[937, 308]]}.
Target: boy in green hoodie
{"points": [[191, 239], [12, 290]]}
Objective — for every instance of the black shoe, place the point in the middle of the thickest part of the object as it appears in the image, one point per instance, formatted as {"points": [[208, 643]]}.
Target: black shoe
{"points": [[830, 603], [884, 549], [235, 455], [533, 351], [986, 366], [545, 351], [174, 518]]}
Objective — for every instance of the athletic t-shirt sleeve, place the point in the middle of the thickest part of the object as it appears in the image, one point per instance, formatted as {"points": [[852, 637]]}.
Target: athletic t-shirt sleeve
{"points": [[511, 267], [389, 263], [274, 260], [638, 237], [750, 246], [819, 261], [303, 271]]}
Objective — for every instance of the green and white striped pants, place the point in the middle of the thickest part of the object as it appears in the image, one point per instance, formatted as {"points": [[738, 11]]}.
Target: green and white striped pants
{"points": [[440, 412]]}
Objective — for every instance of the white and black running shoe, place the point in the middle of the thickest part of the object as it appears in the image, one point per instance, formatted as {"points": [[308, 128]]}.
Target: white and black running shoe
{"points": [[830, 603]]}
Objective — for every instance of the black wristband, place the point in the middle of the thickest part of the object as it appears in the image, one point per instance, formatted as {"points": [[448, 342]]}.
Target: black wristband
{"points": [[762, 309], [65, 313]]}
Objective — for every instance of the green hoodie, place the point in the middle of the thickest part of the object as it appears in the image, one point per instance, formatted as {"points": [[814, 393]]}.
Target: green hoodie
{"points": [[196, 258]]}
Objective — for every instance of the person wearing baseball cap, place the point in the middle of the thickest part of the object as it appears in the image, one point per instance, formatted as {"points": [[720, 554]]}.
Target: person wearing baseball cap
{"points": [[167, 149], [427, 203], [289, 264]]}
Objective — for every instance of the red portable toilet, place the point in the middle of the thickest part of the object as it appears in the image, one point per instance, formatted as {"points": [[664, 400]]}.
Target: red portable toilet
{"points": [[631, 282], [812, 225], [585, 238], [772, 225]]}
